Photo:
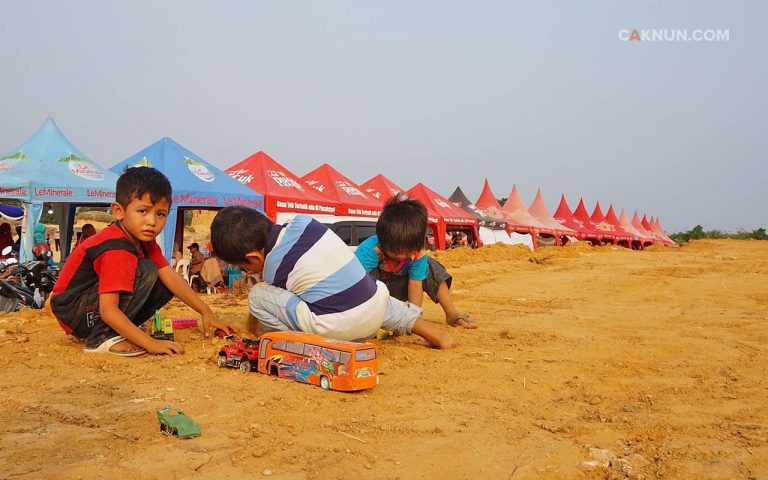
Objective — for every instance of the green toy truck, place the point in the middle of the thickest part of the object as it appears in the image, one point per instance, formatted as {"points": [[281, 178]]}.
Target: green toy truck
{"points": [[174, 422]]}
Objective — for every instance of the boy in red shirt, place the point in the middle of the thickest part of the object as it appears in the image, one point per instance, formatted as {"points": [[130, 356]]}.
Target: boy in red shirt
{"points": [[115, 280]]}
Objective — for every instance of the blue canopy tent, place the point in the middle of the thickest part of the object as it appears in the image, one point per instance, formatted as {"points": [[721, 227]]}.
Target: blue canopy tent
{"points": [[48, 168], [196, 185]]}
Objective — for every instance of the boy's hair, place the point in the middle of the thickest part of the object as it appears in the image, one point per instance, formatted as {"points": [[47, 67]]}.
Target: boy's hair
{"points": [[402, 225], [236, 231], [138, 181]]}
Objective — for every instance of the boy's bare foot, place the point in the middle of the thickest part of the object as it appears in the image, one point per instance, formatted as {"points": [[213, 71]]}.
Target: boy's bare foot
{"points": [[461, 320]]}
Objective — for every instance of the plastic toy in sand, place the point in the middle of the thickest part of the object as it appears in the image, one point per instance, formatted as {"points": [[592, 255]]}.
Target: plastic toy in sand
{"points": [[183, 323], [161, 328], [307, 358], [174, 422]]}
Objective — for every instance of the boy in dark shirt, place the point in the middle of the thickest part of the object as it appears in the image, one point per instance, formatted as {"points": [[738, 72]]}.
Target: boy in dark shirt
{"points": [[115, 280], [395, 256]]}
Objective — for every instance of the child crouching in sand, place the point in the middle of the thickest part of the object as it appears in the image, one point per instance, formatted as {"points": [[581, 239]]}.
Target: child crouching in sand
{"points": [[313, 282], [396, 256], [115, 280]]}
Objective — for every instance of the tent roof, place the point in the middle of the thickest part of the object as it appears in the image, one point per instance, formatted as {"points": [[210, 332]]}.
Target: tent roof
{"points": [[54, 170], [196, 183], [487, 200], [610, 217], [381, 188], [518, 216], [626, 224], [567, 218], [460, 200], [581, 214], [541, 213], [439, 207], [282, 189], [604, 225], [335, 186], [641, 228]]}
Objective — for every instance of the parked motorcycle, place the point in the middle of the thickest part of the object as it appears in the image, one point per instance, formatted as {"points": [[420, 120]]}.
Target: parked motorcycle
{"points": [[27, 284]]}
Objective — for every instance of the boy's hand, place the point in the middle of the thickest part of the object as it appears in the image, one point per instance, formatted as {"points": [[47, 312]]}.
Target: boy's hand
{"points": [[210, 323], [164, 347]]}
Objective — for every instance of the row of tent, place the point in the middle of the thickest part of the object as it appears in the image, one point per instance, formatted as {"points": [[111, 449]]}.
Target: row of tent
{"points": [[49, 169]]}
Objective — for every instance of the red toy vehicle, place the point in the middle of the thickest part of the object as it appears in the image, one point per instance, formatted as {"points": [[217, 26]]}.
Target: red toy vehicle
{"points": [[306, 358], [241, 353]]}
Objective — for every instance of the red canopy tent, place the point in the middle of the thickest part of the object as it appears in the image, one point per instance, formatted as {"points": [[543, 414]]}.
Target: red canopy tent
{"points": [[651, 236], [640, 236], [381, 188], [620, 236], [335, 186], [658, 228], [610, 217], [648, 225], [541, 213], [585, 231], [441, 213], [581, 214], [282, 190]]}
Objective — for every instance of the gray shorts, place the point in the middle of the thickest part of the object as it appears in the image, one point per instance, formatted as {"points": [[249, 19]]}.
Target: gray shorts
{"points": [[398, 284]]}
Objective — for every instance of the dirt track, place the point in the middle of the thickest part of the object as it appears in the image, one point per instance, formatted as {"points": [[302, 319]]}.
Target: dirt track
{"points": [[652, 362]]}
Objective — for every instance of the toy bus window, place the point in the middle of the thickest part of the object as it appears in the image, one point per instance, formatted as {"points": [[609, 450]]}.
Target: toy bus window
{"points": [[263, 349], [365, 354], [331, 354], [344, 357], [294, 347], [311, 350], [279, 345]]}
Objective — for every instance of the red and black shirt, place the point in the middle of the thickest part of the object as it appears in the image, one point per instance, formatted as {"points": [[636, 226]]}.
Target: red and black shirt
{"points": [[108, 259]]}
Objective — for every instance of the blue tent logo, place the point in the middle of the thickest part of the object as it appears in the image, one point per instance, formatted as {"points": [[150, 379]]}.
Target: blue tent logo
{"points": [[199, 170], [83, 167], [8, 161], [141, 163]]}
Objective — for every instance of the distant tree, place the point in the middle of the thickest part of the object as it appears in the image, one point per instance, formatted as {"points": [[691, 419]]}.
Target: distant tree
{"points": [[759, 234], [697, 233], [502, 201]]}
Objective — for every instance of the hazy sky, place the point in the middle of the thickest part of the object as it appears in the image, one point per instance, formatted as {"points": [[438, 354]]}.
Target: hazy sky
{"points": [[541, 94]]}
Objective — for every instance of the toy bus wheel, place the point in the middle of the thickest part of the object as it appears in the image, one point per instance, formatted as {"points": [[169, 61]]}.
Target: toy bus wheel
{"points": [[222, 361], [273, 371], [324, 383], [245, 366]]}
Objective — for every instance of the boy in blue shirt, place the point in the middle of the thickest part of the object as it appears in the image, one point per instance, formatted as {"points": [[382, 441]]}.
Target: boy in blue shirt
{"points": [[396, 256]]}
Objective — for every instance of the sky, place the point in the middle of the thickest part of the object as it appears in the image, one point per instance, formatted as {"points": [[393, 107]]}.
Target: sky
{"points": [[540, 94]]}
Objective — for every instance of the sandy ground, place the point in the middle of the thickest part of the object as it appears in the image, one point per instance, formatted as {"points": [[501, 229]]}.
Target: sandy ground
{"points": [[588, 363]]}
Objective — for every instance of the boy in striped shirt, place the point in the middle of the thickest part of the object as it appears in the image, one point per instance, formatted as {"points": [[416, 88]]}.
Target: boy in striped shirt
{"points": [[313, 281]]}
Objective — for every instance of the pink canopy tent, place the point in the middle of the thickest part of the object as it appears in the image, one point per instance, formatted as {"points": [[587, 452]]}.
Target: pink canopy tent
{"points": [[610, 217], [642, 236], [541, 213], [521, 220], [661, 236], [333, 185]]}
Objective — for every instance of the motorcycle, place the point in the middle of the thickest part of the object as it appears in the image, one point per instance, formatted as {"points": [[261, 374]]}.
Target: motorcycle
{"points": [[27, 284]]}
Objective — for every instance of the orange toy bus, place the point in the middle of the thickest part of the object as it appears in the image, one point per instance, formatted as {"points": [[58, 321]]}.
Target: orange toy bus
{"points": [[309, 358]]}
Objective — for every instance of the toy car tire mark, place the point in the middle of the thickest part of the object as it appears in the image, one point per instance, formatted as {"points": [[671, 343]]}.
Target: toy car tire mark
{"points": [[325, 384]]}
